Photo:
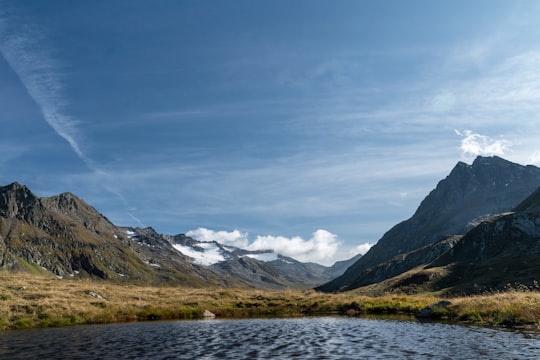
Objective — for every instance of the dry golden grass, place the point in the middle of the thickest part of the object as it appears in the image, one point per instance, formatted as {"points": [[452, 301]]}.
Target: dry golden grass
{"points": [[509, 308], [28, 301]]}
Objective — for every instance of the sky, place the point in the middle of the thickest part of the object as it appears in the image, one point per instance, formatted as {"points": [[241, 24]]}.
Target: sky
{"points": [[309, 127]]}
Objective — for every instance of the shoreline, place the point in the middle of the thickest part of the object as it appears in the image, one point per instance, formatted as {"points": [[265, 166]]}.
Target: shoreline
{"points": [[30, 301]]}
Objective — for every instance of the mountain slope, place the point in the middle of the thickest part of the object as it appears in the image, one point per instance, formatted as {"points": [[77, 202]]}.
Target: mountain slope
{"points": [[468, 194], [500, 251], [31, 232], [65, 236]]}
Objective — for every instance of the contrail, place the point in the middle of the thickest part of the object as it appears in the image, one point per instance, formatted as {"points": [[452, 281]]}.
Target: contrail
{"points": [[22, 48]]}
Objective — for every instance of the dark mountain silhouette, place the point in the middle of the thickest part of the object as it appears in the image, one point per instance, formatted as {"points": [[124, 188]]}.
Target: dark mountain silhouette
{"points": [[469, 194], [499, 252]]}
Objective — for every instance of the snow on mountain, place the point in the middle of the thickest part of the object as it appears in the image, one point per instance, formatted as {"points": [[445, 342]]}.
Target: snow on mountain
{"points": [[205, 253], [212, 252], [266, 257]]}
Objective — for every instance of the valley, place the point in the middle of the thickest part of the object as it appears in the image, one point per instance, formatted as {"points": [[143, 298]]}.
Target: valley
{"points": [[474, 241]]}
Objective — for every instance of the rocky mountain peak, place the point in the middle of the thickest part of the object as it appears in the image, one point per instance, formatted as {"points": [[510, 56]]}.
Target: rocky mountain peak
{"points": [[490, 160], [16, 200], [67, 201], [75, 208], [15, 188], [488, 179]]}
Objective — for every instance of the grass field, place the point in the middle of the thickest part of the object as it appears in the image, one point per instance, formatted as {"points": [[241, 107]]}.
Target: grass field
{"points": [[31, 301]]}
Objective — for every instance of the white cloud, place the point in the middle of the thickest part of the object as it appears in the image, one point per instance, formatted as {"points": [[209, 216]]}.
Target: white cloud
{"points": [[320, 248], [232, 238], [360, 249], [535, 158], [476, 144]]}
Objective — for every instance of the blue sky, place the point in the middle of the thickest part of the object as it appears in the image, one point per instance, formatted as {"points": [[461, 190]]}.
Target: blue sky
{"points": [[310, 127]]}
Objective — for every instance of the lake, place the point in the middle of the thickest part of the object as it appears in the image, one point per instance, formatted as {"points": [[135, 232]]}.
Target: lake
{"points": [[302, 338]]}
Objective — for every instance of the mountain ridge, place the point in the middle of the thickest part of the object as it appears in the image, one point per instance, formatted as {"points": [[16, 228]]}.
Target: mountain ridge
{"points": [[490, 185], [65, 236], [498, 254]]}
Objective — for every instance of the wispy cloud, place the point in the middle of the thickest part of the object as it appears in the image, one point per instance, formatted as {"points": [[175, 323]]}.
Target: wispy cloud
{"points": [[23, 46], [11, 151]]}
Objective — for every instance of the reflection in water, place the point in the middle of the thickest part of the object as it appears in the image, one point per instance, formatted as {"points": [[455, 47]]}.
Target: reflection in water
{"points": [[313, 338]]}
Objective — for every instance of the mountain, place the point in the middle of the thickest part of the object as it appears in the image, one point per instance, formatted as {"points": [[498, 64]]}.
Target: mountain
{"points": [[261, 268], [468, 195], [65, 236], [500, 252]]}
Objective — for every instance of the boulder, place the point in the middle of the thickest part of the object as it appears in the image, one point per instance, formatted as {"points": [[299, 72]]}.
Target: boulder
{"points": [[208, 315], [435, 310]]}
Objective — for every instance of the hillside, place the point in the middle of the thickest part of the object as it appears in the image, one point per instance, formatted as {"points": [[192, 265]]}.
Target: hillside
{"points": [[65, 236], [469, 194], [500, 253]]}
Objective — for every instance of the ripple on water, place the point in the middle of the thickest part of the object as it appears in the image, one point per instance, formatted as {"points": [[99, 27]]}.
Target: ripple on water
{"points": [[314, 338]]}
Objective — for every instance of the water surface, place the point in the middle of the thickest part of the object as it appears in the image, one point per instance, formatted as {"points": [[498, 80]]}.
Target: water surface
{"points": [[302, 338]]}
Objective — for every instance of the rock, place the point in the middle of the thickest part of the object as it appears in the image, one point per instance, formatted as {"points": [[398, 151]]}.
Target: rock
{"points": [[96, 295], [208, 315], [434, 310]]}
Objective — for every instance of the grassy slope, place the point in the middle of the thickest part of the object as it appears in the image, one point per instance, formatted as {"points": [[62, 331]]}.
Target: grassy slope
{"points": [[28, 301]]}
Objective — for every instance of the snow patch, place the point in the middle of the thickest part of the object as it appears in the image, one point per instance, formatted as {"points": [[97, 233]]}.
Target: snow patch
{"points": [[152, 264], [264, 256], [211, 255], [131, 234]]}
